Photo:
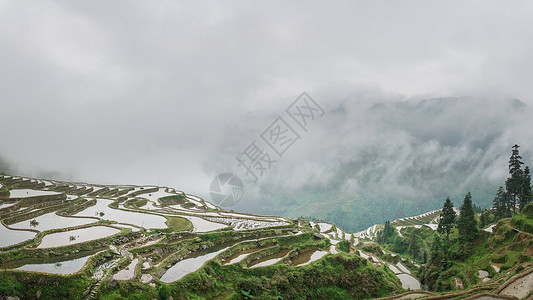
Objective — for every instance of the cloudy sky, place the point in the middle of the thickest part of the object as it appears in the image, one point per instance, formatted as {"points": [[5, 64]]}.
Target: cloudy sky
{"points": [[170, 92]]}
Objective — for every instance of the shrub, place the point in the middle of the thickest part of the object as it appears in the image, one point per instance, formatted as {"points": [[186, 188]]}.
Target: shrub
{"points": [[528, 210], [343, 246], [4, 192], [163, 292], [172, 200]]}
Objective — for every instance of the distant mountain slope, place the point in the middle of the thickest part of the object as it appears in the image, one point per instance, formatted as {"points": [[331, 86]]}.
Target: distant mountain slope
{"points": [[383, 161]]}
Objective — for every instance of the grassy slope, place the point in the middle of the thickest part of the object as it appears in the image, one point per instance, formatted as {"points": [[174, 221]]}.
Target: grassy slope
{"points": [[344, 275], [340, 276], [178, 223], [509, 247], [505, 247]]}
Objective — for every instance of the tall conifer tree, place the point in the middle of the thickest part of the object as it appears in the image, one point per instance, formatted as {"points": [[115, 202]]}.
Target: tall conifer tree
{"points": [[447, 219], [514, 182], [525, 194], [467, 224]]}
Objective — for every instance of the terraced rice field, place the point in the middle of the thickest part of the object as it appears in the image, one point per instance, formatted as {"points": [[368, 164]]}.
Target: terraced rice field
{"points": [[76, 236], [107, 223], [12, 237], [112, 232], [51, 221]]}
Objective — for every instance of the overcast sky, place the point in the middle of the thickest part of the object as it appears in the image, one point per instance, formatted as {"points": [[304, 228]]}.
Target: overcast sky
{"points": [[167, 92]]}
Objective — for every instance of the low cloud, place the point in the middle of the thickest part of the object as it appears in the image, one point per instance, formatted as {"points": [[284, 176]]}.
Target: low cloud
{"points": [[169, 93]]}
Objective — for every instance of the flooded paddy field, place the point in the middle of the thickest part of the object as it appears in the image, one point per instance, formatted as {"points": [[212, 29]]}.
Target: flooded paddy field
{"points": [[26, 193], [10, 237], [308, 257], [52, 221], [56, 265], [269, 259], [202, 225], [76, 236], [238, 257], [128, 272], [409, 282], [103, 211], [189, 265]]}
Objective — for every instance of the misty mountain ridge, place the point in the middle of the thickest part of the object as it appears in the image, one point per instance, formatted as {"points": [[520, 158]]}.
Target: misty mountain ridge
{"points": [[372, 160], [412, 155]]}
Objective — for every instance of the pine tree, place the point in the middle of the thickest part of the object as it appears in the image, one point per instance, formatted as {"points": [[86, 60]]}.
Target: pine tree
{"points": [[434, 265], [501, 205], [525, 193], [414, 247], [484, 219], [514, 182], [386, 233], [435, 253], [446, 219], [467, 224]]}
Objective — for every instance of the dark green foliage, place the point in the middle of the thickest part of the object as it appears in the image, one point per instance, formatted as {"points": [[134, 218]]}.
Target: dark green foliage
{"points": [[144, 191], [525, 189], [136, 203], [434, 265], [26, 285], [502, 204], [9, 288], [462, 259], [173, 200], [4, 192], [251, 287], [341, 276], [467, 224], [414, 246], [514, 182], [131, 290], [518, 187], [34, 223], [477, 209], [344, 246], [523, 223], [528, 211], [436, 253], [485, 218], [247, 294], [163, 292], [447, 218], [386, 234]]}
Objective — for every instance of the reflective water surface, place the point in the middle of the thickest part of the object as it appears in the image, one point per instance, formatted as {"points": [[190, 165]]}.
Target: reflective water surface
{"points": [[76, 236]]}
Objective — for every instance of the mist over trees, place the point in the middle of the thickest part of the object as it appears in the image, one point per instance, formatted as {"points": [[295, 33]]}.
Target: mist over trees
{"points": [[457, 235], [517, 192]]}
